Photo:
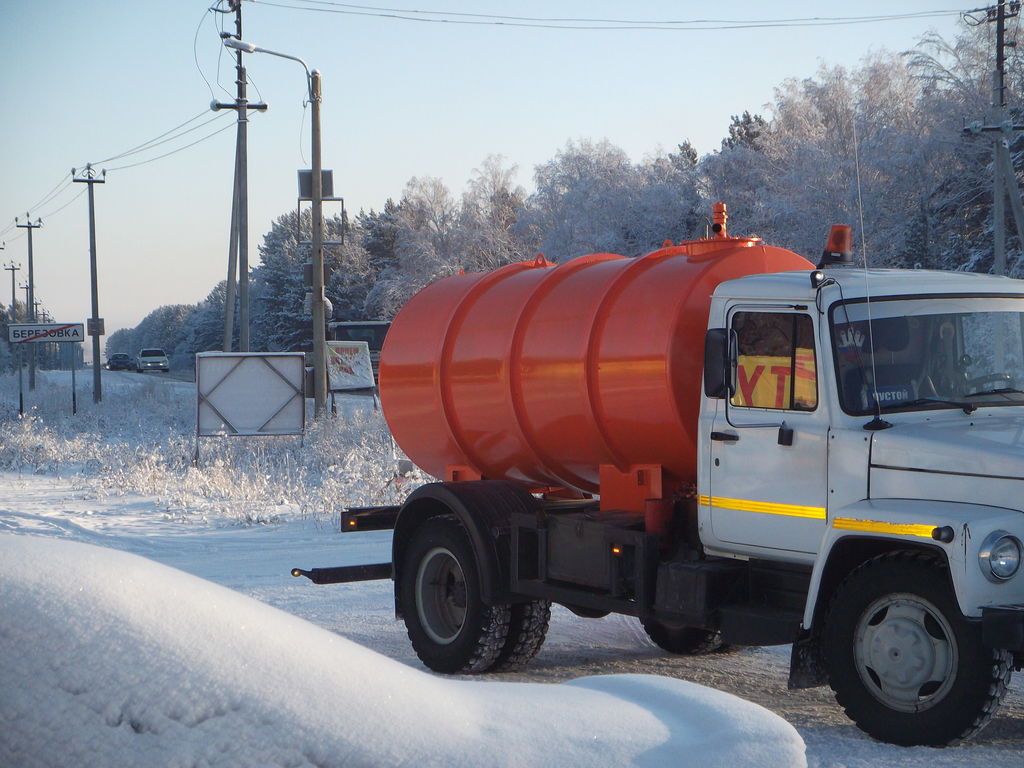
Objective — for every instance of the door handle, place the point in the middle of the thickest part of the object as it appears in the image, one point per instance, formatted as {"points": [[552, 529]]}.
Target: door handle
{"points": [[725, 437]]}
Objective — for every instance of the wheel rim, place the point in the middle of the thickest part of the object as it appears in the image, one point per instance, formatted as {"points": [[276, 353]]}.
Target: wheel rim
{"points": [[441, 595], [905, 652]]}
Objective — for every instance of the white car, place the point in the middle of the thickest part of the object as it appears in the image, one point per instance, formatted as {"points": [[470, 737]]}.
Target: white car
{"points": [[152, 360]]}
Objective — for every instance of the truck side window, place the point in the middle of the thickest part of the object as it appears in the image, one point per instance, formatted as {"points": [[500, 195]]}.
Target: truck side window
{"points": [[776, 349]]}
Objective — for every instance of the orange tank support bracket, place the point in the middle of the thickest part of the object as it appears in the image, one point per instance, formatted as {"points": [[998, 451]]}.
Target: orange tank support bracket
{"points": [[457, 473], [629, 491]]}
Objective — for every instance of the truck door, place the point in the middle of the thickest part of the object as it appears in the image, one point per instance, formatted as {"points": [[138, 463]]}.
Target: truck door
{"points": [[768, 484]]}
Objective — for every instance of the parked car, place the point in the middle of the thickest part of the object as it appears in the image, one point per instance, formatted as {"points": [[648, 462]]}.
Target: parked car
{"points": [[119, 361], [152, 360]]}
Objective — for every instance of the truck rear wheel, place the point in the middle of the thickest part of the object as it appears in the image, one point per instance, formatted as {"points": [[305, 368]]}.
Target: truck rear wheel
{"points": [[682, 639], [450, 628], [526, 632], [904, 663]]}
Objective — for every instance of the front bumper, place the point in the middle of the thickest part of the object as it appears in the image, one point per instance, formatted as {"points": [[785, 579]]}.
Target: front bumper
{"points": [[1002, 626]]}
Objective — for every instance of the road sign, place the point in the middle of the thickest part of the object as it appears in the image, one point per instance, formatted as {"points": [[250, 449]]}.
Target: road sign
{"points": [[348, 366], [96, 326], [45, 333]]}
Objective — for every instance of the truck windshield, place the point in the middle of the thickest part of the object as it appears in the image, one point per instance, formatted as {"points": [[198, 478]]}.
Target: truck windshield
{"points": [[371, 334], [929, 353]]}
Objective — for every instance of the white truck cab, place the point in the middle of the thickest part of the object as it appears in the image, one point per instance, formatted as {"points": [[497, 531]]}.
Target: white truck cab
{"points": [[873, 430]]}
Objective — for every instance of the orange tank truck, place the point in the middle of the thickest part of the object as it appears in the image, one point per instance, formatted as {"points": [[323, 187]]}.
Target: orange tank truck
{"points": [[731, 446], [582, 376]]}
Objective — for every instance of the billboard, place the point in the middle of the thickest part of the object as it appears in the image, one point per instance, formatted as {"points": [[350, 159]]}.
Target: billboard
{"points": [[243, 393], [348, 366]]}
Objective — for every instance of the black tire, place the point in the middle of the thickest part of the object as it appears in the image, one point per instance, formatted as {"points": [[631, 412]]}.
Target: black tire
{"points": [[451, 630], [904, 663], [682, 639], [528, 626]]}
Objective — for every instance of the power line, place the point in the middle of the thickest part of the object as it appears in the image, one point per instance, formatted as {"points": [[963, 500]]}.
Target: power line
{"points": [[57, 190], [195, 51], [155, 142], [53, 213], [163, 138], [554, 19], [173, 151], [592, 24]]}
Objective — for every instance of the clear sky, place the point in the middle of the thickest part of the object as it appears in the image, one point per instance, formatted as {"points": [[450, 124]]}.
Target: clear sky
{"points": [[84, 81]]}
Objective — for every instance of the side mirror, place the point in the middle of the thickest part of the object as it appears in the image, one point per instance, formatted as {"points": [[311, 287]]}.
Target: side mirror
{"points": [[720, 347]]}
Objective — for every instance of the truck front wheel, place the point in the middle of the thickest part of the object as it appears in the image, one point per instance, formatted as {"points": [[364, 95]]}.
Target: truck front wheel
{"points": [[904, 663], [450, 628]]}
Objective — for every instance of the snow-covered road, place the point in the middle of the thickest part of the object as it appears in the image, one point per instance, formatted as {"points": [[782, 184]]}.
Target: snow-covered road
{"points": [[119, 475], [255, 560]]}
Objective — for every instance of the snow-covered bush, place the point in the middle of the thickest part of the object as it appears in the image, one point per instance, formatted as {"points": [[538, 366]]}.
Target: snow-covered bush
{"points": [[141, 439]]}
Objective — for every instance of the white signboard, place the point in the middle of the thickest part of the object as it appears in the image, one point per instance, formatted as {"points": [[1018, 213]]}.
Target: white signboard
{"points": [[45, 333], [259, 393], [348, 366]]}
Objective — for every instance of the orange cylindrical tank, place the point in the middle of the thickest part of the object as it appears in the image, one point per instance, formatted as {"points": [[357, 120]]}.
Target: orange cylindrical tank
{"points": [[542, 374]]}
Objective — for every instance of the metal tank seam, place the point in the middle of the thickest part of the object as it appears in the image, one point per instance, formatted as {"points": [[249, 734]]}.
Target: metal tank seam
{"points": [[600, 317], [515, 388], [443, 381]]}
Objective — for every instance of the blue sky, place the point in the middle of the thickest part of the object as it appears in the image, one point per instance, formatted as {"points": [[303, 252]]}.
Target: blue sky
{"points": [[83, 81]]}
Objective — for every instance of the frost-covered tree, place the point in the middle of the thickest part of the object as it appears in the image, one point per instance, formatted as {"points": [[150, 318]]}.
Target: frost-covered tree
{"points": [[378, 234], [425, 246], [580, 199], [204, 325], [490, 209], [745, 131], [685, 158]]}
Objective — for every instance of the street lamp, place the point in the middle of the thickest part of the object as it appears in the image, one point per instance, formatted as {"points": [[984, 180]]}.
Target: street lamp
{"points": [[319, 319]]}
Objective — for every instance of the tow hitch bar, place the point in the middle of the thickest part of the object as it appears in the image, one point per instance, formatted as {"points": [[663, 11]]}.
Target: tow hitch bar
{"points": [[345, 573]]}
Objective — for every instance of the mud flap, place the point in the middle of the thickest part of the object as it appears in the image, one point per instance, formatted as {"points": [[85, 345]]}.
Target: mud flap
{"points": [[806, 666]]}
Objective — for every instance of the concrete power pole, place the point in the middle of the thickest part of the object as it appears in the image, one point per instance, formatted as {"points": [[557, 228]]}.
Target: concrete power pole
{"points": [[238, 247], [95, 322], [1001, 130], [30, 304], [14, 299], [319, 311]]}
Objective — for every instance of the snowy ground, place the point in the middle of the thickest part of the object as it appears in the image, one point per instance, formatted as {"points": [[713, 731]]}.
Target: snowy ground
{"points": [[120, 476]]}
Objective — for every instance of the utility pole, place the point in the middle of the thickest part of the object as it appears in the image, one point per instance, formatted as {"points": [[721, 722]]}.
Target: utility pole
{"points": [[316, 184], [319, 319], [95, 322], [12, 269], [238, 246], [1001, 129], [30, 304]]}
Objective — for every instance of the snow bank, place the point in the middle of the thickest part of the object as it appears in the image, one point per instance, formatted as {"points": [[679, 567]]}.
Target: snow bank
{"points": [[110, 659]]}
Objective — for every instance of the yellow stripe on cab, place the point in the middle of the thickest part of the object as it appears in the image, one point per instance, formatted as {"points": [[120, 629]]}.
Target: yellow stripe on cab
{"points": [[763, 507], [878, 526]]}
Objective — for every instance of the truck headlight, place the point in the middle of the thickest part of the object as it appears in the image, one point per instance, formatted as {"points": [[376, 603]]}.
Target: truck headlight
{"points": [[1000, 556]]}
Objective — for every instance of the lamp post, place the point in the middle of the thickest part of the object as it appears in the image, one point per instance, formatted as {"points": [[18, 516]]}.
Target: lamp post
{"points": [[319, 313]]}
